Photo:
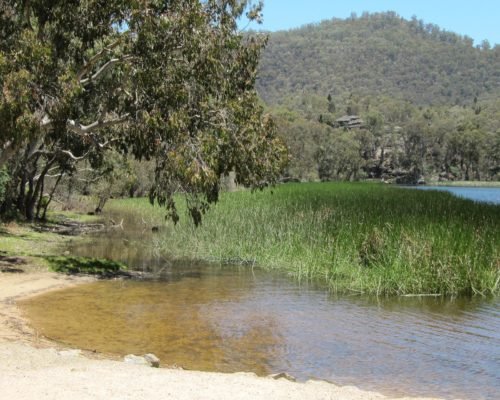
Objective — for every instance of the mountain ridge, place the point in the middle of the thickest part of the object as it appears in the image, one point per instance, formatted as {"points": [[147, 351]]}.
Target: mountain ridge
{"points": [[378, 54]]}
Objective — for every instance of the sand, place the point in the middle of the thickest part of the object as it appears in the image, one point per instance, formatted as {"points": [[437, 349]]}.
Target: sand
{"points": [[32, 367]]}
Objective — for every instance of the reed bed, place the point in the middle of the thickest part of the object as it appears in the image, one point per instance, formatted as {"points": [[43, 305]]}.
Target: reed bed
{"points": [[359, 238]]}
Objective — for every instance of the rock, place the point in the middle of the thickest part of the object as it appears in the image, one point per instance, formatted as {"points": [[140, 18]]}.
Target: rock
{"points": [[152, 360], [133, 359], [282, 375], [148, 359]]}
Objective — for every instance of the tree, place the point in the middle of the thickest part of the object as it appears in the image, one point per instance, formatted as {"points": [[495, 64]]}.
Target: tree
{"points": [[167, 80], [339, 157]]}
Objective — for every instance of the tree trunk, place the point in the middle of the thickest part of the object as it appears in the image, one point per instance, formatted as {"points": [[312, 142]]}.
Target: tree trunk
{"points": [[51, 195], [40, 199]]}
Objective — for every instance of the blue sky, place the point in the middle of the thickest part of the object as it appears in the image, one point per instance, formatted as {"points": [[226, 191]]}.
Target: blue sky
{"points": [[478, 19]]}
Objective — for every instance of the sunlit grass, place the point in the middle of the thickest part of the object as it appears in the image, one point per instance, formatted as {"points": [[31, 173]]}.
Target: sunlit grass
{"points": [[361, 238], [22, 240], [42, 250], [84, 265]]}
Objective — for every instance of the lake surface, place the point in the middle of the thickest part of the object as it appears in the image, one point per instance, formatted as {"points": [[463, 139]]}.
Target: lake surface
{"points": [[230, 318], [479, 194]]}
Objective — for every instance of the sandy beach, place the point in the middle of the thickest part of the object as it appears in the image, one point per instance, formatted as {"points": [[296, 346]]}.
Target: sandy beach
{"points": [[32, 367]]}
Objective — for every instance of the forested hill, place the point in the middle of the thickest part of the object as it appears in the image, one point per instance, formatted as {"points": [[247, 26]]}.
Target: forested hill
{"points": [[422, 102], [378, 54]]}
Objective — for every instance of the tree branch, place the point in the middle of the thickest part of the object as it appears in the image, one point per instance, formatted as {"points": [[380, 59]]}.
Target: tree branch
{"points": [[80, 129], [88, 66], [71, 155], [106, 143], [55, 176], [104, 68], [96, 125]]}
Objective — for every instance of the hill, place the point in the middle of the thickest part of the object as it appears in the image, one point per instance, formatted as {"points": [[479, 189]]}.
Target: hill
{"points": [[426, 102], [378, 54]]}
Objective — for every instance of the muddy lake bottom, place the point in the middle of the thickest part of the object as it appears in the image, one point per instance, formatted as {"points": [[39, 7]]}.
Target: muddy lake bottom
{"points": [[228, 319]]}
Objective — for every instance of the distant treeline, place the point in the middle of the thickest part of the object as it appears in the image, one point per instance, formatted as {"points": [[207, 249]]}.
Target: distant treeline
{"points": [[397, 140]]}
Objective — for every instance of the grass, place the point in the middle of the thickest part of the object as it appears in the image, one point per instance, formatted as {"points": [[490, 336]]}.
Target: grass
{"points": [[56, 216], [84, 265], [360, 238], [22, 240], [42, 250]]}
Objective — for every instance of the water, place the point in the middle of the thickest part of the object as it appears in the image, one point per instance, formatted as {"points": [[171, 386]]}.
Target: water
{"points": [[235, 319], [229, 318], [479, 194]]}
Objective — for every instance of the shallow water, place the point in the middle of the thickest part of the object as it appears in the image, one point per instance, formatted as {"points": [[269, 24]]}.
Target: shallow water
{"points": [[239, 319], [230, 318]]}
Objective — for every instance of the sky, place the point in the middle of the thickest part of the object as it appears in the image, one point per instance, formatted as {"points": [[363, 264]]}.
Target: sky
{"points": [[478, 19]]}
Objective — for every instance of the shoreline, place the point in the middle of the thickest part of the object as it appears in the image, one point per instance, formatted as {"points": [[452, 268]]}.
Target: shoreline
{"points": [[31, 365], [15, 286], [465, 184]]}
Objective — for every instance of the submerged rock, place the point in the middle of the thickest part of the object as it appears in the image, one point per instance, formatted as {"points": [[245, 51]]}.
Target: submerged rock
{"points": [[282, 375]]}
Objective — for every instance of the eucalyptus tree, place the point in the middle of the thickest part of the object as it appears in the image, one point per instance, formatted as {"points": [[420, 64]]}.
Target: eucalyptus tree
{"points": [[167, 80]]}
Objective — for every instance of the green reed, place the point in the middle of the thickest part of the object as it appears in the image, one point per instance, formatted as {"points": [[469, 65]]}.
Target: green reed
{"points": [[360, 238]]}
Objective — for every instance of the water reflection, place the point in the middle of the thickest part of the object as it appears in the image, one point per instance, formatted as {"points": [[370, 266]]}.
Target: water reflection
{"points": [[133, 243]]}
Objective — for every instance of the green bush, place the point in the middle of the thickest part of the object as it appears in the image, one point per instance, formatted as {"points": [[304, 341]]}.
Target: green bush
{"points": [[4, 181]]}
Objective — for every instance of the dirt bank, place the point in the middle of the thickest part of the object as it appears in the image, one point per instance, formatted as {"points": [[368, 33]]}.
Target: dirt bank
{"points": [[34, 368]]}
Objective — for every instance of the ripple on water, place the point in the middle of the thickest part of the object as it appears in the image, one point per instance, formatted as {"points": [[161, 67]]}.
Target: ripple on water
{"points": [[230, 319]]}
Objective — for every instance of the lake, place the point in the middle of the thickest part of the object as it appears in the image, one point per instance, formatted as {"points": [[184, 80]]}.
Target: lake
{"points": [[479, 194]]}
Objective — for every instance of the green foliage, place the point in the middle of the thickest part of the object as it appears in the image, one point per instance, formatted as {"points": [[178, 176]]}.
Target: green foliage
{"points": [[398, 141], [115, 178], [4, 180], [83, 265], [428, 99], [302, 137], [339, 157], [170, 81], [357, 237], [377, 54]]}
